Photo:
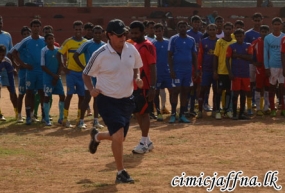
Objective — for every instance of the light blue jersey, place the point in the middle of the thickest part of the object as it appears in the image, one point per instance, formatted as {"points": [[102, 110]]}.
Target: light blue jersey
{"points": [[6, 40], [32, 47], [272, 51], [88, 48], [49, 60]]}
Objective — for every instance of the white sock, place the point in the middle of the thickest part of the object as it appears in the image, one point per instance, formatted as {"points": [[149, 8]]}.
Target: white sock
{"points": [[148, 140], [144, 140], [96, 139], [257, 100], [19, 115], [266, 100], [162, 94]]}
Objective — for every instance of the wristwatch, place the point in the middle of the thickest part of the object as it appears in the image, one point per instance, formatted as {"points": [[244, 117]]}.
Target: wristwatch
{"points": [[152, 87]]}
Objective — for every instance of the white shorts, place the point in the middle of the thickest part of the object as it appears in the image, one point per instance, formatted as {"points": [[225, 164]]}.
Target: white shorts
{"points": [[252, 72], [276, 75]]}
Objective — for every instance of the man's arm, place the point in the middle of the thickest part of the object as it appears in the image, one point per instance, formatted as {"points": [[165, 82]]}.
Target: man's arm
{"points": [[15, 55], [76, 59], [137, 78]]}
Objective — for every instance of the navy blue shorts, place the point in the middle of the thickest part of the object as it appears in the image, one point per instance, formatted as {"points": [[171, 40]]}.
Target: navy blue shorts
{"points": [[208, 79], [116, 113]]}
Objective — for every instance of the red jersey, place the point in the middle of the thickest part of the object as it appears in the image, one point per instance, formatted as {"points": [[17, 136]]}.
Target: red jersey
{"points": [[283, 45], [148, 54], [258, 47]]}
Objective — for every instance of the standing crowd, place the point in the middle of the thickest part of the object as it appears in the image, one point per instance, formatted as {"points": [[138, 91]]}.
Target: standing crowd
{"points": [[130, 72]]}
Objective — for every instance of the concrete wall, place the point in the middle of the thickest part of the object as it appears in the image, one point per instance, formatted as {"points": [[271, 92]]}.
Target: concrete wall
{"points": [[16, 17]]}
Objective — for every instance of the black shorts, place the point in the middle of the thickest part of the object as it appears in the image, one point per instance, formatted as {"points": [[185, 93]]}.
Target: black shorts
{"points": [[116, 113], [141, 103], [224, 82]]}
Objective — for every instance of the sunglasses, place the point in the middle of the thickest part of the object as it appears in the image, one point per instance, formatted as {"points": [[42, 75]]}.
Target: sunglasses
{"points": [[119, 36]]}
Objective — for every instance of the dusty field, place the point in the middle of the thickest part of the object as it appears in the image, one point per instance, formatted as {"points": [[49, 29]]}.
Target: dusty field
{"points": [[54, 159]]}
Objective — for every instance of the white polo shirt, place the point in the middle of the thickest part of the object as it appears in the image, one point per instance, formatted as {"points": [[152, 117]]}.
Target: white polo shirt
{"points": [[114, 73]]}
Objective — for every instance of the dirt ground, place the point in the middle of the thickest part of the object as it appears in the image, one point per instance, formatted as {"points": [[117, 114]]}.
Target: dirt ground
{"points": [[37, 158]]}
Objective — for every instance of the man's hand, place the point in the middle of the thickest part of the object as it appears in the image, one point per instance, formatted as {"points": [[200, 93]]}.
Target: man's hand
{"points": [[28, 66], [150, 95], [95, 92], [139, 82], [267, 72], [55, 79]]}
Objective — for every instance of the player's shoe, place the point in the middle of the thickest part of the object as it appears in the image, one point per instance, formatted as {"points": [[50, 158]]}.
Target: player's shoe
{"points": [[81, 125], [235, 117], [229, 114], [207, 107], [249, 112], [150, 146], [213, 114], [28, 121], [267, 112], [253, 105], [273, 113], [159, 117], [48, 123], [124, 177], [183, 119], [172, 119], [2, 118], [193, 113], [140, 149], [60, 121], [66, 123], [93, 144], [282, 113], [243, 117], [152, 116], [165, 111], [97, 125], [50, 118], [259, 113], [35, 119], [218, 116], [200, 115], [20, 119]]}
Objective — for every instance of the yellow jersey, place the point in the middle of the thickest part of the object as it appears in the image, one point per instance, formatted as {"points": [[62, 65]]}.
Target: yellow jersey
{"points": [[221, 51], [69, 47]]}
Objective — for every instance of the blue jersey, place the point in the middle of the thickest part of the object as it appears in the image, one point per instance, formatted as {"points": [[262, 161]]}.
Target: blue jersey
{"points": [[6, 40], [49, 60], [32, 47], [240, 67], [272, 51], [161, 57], [251, 35], [198, 36], [7, 65], [23, 57], [88, 48], [206, 54], [182, 49]]}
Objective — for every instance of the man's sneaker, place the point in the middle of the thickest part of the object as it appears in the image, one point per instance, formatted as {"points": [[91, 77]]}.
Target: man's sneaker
{"points": [[267, 112], [50, 118], [249, 112], [81, 125], [140, 149], [35, 119], [88, 112], [165, 111], [218, 116], [259, 113], [172, 119], [152, 116], [235, 117], [67, 124], [200, 115], [48, 123], [97, 125], [159, 117], [282, 113], [193, 113], [60, 121], [124, 177], [243, 117], [183, 119], [273, 113], [253, 105], [213, 114], [93, 144], [2, 118], [207, 107], [150, 146], [20, 120], [28, 121], [229, 114]]}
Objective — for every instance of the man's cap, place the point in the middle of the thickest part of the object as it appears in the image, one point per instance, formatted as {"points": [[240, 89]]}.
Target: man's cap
{"points": [[117, 27]]}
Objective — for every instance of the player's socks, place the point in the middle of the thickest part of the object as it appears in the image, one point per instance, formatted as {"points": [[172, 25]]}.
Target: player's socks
{"points": [[50, 101], [65, 114], [36, 104], [44, 115], [218, 101], [78, 114], [144, 140], [61, 109], [261, 103], [173, 108], [16, 112], [257, 100], [242, 103], [235, 98], [162, 94], [224, 99], [182, 110], [271, 100], [249, 102], [46, 109], [28, 112], [228, 100], [266, 100]]}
